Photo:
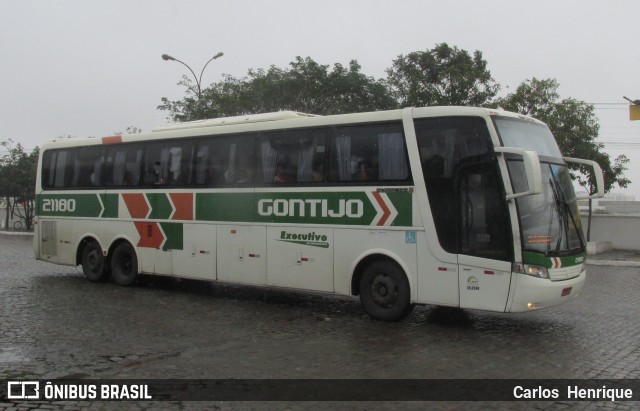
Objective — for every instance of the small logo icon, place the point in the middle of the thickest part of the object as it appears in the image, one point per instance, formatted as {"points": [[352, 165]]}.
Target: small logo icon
{"points": [[23, 390], [410, 237], [473, 284]]}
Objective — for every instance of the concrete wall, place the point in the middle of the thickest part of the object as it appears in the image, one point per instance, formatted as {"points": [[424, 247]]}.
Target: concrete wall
{"points": [[622, 230]]}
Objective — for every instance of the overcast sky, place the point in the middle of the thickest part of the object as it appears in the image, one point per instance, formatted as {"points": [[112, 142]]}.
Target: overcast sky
{"points": [[92, 68]]}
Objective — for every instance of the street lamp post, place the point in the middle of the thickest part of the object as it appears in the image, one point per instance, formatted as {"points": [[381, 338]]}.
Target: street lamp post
{"points": [[167, 57]]}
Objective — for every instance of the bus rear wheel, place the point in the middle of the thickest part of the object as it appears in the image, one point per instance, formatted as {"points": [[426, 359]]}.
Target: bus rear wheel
{"points": [[384, 291], [93, 263], [124, 264]]}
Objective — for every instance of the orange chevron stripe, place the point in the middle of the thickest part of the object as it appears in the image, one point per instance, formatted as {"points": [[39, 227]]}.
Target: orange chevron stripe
{"points": [[150, 234], [183, 204], [136, 204], [385, 209]]}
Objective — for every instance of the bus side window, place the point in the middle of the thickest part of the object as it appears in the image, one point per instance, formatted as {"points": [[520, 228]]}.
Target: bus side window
{"points": [[373, 153], [88, 167], [48, 168], [125, 163], [63, 169], [226, 160], [293, 156]]}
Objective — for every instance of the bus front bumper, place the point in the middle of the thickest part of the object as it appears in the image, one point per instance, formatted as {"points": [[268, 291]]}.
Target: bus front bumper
{"points": [[532, 293]]}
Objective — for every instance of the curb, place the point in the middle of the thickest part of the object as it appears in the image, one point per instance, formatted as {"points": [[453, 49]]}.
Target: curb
{"points": [[18, 233]]}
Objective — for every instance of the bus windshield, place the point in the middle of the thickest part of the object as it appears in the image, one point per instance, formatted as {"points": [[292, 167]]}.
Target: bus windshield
{"points": [[550, 221], [527, 134]]}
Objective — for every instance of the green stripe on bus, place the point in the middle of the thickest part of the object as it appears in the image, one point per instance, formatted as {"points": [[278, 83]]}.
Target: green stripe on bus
{"points": [[224, 207], [340, 208], [68, 205], [174, 232], [540, 259], [110, 202], [373, 208], [161, 208]]}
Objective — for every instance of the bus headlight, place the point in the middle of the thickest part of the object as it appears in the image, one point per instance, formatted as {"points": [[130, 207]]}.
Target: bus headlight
{"points": [[532, 270]]}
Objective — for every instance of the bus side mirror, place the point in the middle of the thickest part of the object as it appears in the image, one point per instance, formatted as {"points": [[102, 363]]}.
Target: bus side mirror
{"points": [[597, 171], [531, 167]]}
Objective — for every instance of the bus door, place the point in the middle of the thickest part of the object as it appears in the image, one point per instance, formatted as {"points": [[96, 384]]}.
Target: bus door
{"points": [[484, 238]]}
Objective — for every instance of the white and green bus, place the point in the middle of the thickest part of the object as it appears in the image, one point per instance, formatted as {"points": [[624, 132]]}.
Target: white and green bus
{"points": [[452, 206]]}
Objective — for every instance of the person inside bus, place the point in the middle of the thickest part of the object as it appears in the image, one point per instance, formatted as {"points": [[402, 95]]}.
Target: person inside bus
{"points": [[317, 175], [242, 176], [282, 175], [362, 173], [152, 175]]}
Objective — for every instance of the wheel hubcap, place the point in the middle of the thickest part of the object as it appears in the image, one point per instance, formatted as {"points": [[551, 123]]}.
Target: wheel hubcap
{"points": [[384, 290], [94, 261]]}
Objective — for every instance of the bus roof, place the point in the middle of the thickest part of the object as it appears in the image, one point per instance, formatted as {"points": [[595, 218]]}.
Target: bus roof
{"points": [[225, 121], [276, 120]]}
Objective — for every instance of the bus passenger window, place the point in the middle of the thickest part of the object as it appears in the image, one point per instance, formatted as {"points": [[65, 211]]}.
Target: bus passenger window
{"points": [[87, 170], [125, 166], [292, 156], [369, 153]]}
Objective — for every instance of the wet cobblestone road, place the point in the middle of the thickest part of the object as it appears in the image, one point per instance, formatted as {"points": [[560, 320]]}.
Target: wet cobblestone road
{"points": [[55, 324]]}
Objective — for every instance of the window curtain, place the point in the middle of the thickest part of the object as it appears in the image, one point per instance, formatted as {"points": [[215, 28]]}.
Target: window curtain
{"points": [[96, 176], [118, 167], [176, 163], [305, 162], [391, 157], [136, 168], [343, 154], [269, 158], [164, 167], [230, 174], [77, 170], [202, 161]]}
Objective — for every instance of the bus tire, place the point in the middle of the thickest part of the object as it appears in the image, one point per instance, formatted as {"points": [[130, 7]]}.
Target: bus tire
{"points": [[124, 264], [94, 265], [384, 291]]}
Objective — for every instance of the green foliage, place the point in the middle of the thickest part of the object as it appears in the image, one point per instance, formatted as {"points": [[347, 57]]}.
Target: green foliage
{"points": [[18, 180], [443, 76], [574, 125], [305, 86]]}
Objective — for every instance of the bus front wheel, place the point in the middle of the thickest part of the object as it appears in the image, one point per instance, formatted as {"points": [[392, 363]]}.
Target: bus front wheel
{"points": [[124, 264], [384, 291], [93, 263]]}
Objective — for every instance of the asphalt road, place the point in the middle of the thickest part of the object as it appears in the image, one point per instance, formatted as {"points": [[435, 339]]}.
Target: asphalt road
{"points": [[55, 324]]}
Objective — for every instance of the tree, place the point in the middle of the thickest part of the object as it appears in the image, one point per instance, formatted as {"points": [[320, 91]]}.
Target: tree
{"points": [[18, 181], [129, 130], [304, 86], [442, 76], [575, 127]]}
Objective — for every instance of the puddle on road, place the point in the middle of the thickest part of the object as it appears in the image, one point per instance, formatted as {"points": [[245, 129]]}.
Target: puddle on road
{"points": [[12, 355]]}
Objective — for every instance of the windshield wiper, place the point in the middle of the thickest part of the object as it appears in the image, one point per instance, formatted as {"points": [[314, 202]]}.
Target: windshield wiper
{"points": [[561, 206], [564, 212]]}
